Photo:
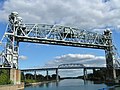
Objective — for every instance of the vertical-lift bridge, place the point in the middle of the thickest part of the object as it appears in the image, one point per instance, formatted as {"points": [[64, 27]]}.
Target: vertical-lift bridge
{"points": [[17, 31]]}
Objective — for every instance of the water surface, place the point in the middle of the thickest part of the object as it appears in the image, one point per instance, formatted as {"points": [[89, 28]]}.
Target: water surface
{"points": [[73, 84]]}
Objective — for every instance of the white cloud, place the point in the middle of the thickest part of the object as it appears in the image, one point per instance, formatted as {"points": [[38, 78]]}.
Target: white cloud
{"points": [[23, 57], [85, 59], [88, 60], [81, 13]]}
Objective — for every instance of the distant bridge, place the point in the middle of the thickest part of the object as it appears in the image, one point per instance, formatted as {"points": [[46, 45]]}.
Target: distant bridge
{"points": [[45, 69], [62, 66]]}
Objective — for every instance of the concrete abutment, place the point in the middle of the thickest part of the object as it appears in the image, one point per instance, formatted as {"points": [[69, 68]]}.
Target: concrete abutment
{"points": [[15, 76]]}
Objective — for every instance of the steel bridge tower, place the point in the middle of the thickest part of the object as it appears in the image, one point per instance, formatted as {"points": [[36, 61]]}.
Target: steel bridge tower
{"points": [[17, 32]]}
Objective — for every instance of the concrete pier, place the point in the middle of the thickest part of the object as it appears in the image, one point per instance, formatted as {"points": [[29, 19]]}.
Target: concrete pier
{"points": [[35, 75], [85, 73], [47, 75], [57, 77], [15, 76]]}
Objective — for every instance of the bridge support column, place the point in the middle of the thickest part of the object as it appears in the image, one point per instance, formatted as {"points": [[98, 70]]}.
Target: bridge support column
{"points": [[57, 77], [85, 73], [15, 76], [24, 77], [94, 71], [110, 56], [35, 75], [47, 75], [111, 75]]}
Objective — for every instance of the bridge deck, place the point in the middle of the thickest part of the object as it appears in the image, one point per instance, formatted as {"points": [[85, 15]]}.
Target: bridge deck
{"points": [[44, 69]]}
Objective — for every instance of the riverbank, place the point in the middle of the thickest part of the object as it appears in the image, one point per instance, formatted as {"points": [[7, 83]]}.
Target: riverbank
{"points": [[39, 83], [12, 87]]}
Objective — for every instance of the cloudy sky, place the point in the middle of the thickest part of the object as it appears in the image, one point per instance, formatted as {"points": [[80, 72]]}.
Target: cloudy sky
{"points": [[85, 14], [94, 15]]}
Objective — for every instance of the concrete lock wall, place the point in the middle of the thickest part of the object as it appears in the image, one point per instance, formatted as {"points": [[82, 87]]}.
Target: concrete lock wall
{"points": [[12, 87], [15, 76]]}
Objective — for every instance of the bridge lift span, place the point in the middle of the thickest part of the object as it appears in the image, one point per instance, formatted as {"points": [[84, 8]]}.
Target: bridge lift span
{"points": [[17, 31]]}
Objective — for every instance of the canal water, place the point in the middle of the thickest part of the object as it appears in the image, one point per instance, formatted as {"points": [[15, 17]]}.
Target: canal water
{"points": [[73, 84]]}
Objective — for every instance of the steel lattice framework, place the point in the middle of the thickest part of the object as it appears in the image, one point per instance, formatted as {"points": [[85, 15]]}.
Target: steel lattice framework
{"points": [[71, 65], [17, 31]]}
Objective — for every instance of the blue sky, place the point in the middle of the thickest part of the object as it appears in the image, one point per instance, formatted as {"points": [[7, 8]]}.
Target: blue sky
{"points": [[95, 15]]}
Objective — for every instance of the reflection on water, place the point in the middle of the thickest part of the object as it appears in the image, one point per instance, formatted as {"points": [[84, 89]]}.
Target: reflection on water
{"points": [[73, 84]]}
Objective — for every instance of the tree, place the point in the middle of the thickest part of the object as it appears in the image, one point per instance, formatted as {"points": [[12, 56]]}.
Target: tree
{"points": [[4, 77], [22, 77]]}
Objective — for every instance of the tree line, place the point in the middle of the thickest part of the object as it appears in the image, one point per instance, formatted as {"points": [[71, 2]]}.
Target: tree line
{"points": [[5, 77], [31, 78]]}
